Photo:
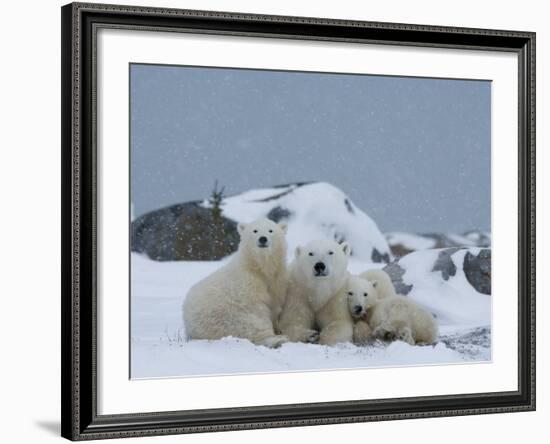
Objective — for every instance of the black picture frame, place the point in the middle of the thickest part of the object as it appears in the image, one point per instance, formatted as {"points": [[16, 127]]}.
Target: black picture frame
{"points": [[79, 211]]}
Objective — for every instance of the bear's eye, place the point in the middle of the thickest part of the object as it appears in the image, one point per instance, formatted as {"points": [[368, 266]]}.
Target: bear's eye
{"points": [[310, 253], [365, 294], [271, 231], [255, 231], [350, 293], [331, 252]]}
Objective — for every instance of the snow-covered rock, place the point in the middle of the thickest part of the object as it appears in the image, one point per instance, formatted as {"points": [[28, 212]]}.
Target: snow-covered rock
{"points": [[312, 211], [453, 283], [316, 210], [402, 243]]}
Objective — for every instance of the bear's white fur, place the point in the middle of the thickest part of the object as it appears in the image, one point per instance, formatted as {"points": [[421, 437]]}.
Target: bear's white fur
{"points": [[362, 333], [317, 274], [390, 317], [245, 297], [334, 320], [361, 294], [382, 281]]}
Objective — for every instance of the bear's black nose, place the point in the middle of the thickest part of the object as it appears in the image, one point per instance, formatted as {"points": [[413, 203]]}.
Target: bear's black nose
{"points": [[262, 240], [357, 309], [319, 266]]}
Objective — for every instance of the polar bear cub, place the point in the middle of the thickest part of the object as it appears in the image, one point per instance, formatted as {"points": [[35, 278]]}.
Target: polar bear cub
{"points": [[317, 274], [382, 282], [387, 316], [381, 286], [334, 320], [361, 296], [245, 297]]}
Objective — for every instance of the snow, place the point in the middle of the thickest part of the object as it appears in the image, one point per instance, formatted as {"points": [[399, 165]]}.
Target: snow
{"points": [[318, 210], [159, 347]]}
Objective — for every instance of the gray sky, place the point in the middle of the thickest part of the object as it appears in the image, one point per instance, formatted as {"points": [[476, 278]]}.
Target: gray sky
{"points": [[413, 153]]}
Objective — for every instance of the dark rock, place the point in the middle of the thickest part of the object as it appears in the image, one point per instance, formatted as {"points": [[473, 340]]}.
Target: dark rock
{"points": [[396, 273], [479, 238], [347, 203], [277, 214], [293, 184], [184, 232], [478, 270], [378, 257], [473, 344], [290, 189], [441, 240], [445, 264], [399, 250]]}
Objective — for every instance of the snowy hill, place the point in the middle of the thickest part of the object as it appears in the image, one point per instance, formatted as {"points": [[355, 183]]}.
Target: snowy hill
{"points": [[312, 211], [193, 231]]}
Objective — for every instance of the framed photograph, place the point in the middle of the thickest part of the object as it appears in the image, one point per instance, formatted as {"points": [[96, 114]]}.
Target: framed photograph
{"points": [[281, 221]]}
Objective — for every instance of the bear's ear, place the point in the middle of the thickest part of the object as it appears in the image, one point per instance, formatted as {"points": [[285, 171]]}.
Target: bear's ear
{"points": [[297, 252], [241, 227], [346, 248], [284, 227]]}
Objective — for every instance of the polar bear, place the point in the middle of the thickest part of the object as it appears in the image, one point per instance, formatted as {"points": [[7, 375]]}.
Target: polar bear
{"points": [[245, 297], [361, 295], [318, 272], [334, 319], [388, 317], [382, 282]]}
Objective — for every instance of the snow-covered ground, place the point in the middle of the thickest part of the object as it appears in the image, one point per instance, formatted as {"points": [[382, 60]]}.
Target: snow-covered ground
{"points": [[159, 347]]}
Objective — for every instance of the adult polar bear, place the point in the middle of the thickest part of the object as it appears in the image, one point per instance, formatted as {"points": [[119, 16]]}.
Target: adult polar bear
{"points": [[244, 298], [317, 275]]}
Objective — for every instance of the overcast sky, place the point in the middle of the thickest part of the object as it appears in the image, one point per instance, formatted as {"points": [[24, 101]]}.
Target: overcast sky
{"points": [[414, 154]]}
